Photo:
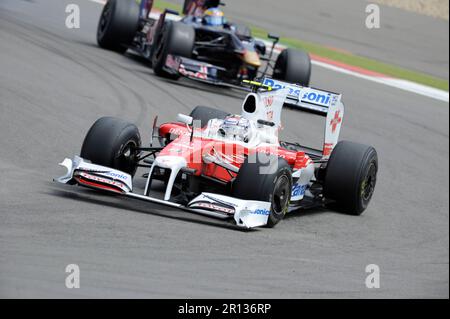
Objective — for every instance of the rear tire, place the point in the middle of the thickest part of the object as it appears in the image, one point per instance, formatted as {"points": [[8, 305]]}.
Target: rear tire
{"points": [[351, 176], [204, 114], [293, 66], [174, 38], [118, 25], [111, 142], [275, 187]]}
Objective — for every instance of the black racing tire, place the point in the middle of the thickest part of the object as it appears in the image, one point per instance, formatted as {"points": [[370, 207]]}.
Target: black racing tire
{"points": [[111, 142], [351, 176], [174, 38], [118, 25], [204, 114], [275, 187], [293, 66]]}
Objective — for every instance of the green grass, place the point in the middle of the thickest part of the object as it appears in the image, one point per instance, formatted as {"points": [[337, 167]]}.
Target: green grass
{"points": [[161, 5], [347, 58]]}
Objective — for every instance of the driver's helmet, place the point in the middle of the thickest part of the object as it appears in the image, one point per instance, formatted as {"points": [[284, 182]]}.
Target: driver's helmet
{"points": [[214, 17], [235, 128]]}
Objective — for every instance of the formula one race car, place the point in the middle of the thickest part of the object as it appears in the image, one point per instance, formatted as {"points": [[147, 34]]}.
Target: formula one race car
{"points": [[232, 167], [202, 45]]}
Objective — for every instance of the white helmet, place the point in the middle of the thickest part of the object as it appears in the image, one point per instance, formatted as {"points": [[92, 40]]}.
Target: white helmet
{"points": [[235, 128]]}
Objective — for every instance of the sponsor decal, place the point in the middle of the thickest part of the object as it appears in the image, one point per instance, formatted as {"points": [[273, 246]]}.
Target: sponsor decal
{"points": [[116, 175], [298, 190], [317, 98], [220, 201], [97, 179], [336, 121], [334, 100], [177, 131], [211, 206], [276, 85], [310, 96], [268, 101], [270, 116], [264, 212]]}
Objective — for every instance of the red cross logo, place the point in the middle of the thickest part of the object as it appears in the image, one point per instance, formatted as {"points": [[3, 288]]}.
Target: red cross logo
{"points": [[336, 121]]}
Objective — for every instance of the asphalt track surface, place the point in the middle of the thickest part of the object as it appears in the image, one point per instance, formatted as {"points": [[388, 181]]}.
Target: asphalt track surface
{"points": [[55, 82], [406, 39]]}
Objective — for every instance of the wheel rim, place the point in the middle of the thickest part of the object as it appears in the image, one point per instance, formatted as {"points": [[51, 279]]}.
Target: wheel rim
{"points": [[128, 157], [280, 199], [368, 185]]}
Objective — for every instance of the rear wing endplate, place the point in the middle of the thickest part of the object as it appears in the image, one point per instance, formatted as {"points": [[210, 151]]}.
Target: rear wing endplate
{"points": [[321, 102]]}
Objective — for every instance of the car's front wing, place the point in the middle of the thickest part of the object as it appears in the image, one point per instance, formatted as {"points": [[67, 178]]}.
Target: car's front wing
{"points": [[199, 71], [246, 214]]}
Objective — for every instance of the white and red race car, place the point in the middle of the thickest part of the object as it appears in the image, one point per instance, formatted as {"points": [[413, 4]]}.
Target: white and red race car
{"points": [[233, 167]]}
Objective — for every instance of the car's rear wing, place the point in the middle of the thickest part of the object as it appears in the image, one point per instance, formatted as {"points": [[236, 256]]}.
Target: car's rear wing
{"points": [[324, 103]]}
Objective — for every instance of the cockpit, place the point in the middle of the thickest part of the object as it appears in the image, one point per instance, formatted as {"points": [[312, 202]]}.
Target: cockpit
{"points": [[237, 129]]}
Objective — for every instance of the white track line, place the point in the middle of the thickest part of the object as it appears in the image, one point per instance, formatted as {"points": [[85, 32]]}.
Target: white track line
{"points": [[391, 82], [99, 1]]}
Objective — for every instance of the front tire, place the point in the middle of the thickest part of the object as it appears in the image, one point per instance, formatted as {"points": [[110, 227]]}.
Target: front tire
{"points": [[112, 142], [175, 38], [351, 176], [266, 182], [293, 66], [118, 25]]}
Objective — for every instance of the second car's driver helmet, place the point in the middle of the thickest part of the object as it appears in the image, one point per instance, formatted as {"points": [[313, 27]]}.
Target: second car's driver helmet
{"points": [[235, 128], [214, 17]]}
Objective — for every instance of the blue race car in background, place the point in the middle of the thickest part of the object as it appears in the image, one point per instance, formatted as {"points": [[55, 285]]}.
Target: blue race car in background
{"points": [[200, 45]]}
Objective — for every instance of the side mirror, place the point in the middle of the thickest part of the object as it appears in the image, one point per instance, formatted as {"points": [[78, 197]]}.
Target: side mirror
{"points": [[188, 120], [154, 130], [275, 38], [260, 47], [170, 11]]}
